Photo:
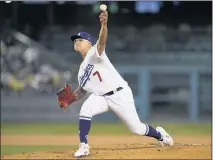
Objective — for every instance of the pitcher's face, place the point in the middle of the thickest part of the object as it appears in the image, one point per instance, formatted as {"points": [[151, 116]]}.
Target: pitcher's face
{"points": [[82, 45]]}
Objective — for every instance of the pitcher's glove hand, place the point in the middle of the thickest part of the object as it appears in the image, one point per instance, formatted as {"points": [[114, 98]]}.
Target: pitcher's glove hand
{"points": [[65, 97]]}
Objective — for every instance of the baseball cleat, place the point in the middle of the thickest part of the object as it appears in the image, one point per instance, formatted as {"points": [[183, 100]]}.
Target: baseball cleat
{"points": [[82, 151], [167, 139]]}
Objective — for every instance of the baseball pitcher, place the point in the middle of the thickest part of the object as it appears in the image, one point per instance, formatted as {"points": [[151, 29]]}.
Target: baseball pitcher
{"points": [[109, 91]]}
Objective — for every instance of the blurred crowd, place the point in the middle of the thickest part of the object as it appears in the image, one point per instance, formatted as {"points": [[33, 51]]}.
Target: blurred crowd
{"points": [[129, 38], [23, 67], [21, 70]]}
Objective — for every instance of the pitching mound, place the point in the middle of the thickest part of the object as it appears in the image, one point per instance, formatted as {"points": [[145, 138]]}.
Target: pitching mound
{"points": [[122, 147]]}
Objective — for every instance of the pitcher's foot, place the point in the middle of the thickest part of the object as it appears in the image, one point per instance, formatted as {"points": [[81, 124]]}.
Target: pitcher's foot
{"points": [[166, 138], [82, 151]]}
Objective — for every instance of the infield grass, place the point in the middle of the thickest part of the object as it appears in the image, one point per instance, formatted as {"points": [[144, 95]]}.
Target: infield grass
{"points": [[101, 129]]}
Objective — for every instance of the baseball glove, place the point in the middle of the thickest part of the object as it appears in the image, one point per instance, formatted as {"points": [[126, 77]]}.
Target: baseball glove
{"points": [[65, 97]]}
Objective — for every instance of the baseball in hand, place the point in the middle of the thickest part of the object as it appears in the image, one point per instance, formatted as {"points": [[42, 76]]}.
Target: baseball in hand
{"points": [[103, 7]]}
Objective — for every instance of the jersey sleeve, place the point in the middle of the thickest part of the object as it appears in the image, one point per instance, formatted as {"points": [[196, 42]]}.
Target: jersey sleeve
{"points": [[97, 54]]}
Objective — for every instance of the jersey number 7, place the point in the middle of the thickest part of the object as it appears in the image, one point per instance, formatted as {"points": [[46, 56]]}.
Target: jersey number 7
{"points": [[98, 74]]}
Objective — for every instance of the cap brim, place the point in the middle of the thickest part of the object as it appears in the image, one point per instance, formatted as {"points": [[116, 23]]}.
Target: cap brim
{"points": [[74, 37]]}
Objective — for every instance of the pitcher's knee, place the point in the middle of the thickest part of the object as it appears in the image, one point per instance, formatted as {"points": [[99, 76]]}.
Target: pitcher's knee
{"points": [[140, 129], [84, 112]]}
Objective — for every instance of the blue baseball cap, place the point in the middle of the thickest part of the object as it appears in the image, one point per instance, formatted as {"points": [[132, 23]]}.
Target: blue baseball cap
{"points": [[83, 35]]}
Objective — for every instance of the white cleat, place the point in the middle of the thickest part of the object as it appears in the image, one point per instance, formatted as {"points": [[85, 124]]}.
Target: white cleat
{"points": [[167, 139], [82, 151]]}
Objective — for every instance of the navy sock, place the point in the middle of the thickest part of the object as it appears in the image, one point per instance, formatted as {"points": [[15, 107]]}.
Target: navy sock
{"points": [[151, 132], [84, 127]]}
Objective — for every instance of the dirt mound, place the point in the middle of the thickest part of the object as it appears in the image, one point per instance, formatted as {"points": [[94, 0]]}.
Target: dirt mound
{"points": [[122, 147]]}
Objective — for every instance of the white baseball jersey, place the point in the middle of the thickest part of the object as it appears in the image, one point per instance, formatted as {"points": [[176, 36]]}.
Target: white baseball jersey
{"points": [[97, 74]]}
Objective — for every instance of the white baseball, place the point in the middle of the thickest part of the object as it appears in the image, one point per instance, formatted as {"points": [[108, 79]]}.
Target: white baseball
{"points": [[103, 7]]}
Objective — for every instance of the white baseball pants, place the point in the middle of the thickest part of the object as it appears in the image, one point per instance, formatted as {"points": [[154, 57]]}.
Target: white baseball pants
{"points": [[121, 103]]}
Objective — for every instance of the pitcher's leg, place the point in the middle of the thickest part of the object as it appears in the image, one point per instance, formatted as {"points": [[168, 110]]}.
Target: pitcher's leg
{"points": [[122, 103], [94, 105], [131, 119], [129, 116]]}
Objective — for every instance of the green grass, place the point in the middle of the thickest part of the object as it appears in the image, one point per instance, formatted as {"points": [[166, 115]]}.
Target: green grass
{"points": [[101, 129], [7, 149]]}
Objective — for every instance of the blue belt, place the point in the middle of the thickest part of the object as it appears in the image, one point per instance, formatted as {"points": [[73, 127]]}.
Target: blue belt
{"points": [[112, 92]]}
